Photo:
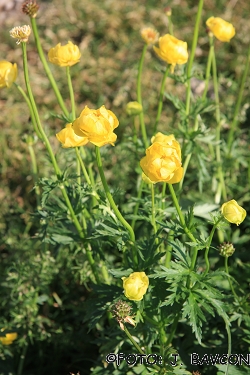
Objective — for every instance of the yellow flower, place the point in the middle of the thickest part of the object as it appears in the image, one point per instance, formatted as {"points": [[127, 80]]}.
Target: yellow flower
{"points": [[21, 33], [9, 338], [8, 73], [223, 30], [233, 213], [150, 35], [172, 50], [67, 55], [162, 162], [68, 138], [97, 125], [135, 286]]}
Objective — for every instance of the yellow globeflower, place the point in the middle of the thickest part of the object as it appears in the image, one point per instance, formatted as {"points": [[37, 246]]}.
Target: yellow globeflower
{"points": [[97, 125], [67, 55], [68, 138], [233, 213], [172, 50], [149, 35], [9, 338], [135, 286], [223, 30], [8, 73], [162, 162]]}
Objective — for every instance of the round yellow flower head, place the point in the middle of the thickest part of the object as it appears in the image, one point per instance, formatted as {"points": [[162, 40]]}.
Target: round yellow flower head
{"points": [[149, 35], [21, 33], [233, 213], [67, 55], [172, 50], [8, 73], [222, 30], [97, 125], [135, 286], [9, 338], [133, 108], [162, 162], [68, 138]]}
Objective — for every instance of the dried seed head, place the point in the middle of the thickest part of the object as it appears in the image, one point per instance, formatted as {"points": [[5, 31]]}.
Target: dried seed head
{"points": [[30, 7], [21, 33], [122, 313], [226, 249]]}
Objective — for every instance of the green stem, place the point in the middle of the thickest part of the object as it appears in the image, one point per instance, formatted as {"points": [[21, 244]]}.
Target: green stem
{"points": [[208, 70], [34, 173], [229, 279], [170, 25], [46, 67], [137, 346], [83, 166], [30, 109], [229, 349], [54, 163], [238, 105], [192, 54], [137, 203], [173, 329], [110, 198], [209, 244], [153, 212], [71, 93], [186, 230], [139, 98], [161, 99], [22, 359], [169, 248], [218, 127]]}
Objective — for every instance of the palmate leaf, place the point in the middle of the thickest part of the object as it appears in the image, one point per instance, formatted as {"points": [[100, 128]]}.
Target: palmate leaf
{"points": [[193, 312]]}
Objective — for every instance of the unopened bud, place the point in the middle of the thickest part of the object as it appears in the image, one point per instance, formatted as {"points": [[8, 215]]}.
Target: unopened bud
{"points": [[133, 108]]}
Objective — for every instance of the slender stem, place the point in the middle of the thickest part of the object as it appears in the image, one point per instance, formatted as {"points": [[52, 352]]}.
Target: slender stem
{"points": [[54, 162], [34, 173], [46, 67], [139, 98], [238, 104], [139, 194], [229, 349], [30, 109], [153, 212], [110, 198], [218, 128], [83, 166], [160, 104], [71, 93], [170, 24], [208, 70], [137, 346], [22, 359], [192, 54], [209, 244], [173, 329], [169, 248], [229, 279]]}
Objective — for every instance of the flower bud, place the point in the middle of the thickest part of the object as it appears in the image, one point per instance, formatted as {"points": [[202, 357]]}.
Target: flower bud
{"points": [[233, 213], [222, 30], [149, 35], [226, 249], [168, 11], [8, 73], [172, 50], [133, 108], [135, 286], [67, 55]]}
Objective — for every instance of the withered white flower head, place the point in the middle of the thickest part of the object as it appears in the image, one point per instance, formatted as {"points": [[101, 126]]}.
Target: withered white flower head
{"points": [[21, 33]]}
